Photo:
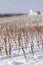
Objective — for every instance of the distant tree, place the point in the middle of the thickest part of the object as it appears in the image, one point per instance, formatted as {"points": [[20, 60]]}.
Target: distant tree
{"points": [[38, 12]]}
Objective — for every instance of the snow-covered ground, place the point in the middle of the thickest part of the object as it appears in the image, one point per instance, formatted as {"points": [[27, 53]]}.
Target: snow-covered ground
{"points": [[17, 58]]}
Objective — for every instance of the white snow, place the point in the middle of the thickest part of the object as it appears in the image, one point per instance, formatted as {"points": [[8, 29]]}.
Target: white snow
{"points": [[19, 59]]}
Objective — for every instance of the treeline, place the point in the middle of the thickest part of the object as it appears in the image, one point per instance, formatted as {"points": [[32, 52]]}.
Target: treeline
{"points": [[9, 15]]}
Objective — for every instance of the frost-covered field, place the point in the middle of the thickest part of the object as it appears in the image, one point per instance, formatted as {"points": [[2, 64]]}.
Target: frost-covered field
{"points": [[19, 59], [21, 40], [17, 56]]}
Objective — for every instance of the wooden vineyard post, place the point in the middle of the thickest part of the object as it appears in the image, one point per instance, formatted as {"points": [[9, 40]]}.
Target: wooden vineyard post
{"points": [[5, 44]]}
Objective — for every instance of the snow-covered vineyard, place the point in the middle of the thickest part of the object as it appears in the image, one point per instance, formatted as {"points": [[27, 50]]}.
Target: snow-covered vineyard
{"points": [[21, 40]]}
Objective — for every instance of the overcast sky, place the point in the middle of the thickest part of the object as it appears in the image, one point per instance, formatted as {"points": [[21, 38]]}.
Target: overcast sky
{"points": [[20, 6]]}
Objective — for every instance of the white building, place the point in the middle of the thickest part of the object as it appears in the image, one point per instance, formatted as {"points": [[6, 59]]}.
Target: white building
{"points": [[31, 12]]}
